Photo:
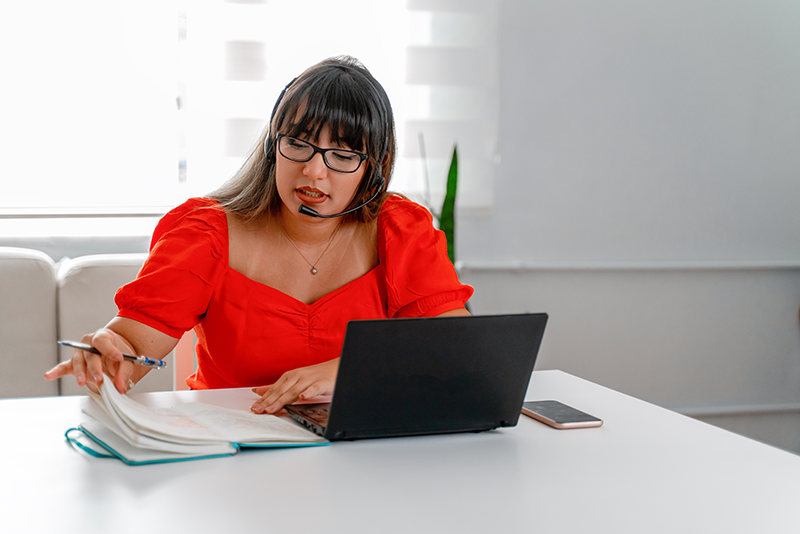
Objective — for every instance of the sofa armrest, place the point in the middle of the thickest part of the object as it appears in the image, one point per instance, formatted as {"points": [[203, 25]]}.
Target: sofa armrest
{"points": [[27, 322]]}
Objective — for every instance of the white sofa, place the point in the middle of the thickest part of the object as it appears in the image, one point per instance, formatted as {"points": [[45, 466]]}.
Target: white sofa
{"points": [[41, 302]]}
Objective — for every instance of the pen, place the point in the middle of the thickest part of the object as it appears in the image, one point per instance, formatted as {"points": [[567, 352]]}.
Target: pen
{"points": [[138, 360]]}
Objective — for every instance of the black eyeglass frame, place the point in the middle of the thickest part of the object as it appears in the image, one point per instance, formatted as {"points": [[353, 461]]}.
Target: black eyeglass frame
{"points": [[322, 151]]}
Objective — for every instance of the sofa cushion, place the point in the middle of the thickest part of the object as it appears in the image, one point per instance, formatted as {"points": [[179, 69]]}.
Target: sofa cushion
{"points": [[86, 288]]}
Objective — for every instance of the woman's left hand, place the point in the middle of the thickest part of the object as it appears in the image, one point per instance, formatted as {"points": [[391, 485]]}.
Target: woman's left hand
{"points": [[303, 383]]}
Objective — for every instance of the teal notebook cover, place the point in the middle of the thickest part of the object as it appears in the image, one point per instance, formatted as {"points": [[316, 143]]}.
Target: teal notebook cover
{"points": [[95, 439]]}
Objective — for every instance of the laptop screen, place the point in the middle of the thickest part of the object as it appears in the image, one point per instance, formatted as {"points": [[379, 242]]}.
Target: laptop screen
{"points": [[433, 375]]}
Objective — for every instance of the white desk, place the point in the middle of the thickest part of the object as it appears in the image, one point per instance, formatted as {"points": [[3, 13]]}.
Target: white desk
{"points": [[647, 470]]}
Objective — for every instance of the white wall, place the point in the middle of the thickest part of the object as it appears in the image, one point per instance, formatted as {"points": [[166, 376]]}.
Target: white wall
{"points": [[647, 195], [649, 131], [698, 340]]}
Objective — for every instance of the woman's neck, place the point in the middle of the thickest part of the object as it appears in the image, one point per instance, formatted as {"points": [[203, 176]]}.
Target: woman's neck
{"points": [[307, 230]]}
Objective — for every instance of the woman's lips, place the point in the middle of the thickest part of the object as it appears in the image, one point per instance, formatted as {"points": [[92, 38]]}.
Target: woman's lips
{"points": [[310, 195]]}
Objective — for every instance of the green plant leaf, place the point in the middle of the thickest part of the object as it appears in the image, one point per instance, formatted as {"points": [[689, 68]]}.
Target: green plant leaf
{"points": [[447, 221]]}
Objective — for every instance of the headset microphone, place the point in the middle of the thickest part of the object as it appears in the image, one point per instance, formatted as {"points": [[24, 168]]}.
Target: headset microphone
{"points": [[305, 210]]}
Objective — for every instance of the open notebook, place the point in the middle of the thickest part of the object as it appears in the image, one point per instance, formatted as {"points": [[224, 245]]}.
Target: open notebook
{"points": [[137, 434]]}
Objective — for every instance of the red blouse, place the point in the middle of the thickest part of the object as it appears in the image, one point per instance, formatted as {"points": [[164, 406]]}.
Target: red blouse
{"points": [[248, 333]]}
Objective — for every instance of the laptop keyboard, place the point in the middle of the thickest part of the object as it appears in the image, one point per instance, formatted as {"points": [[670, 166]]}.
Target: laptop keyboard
{"points": [[318, 415]]}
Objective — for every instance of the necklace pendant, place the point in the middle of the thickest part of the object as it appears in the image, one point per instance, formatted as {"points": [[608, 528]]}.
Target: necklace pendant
{"points": [[313, 270]]}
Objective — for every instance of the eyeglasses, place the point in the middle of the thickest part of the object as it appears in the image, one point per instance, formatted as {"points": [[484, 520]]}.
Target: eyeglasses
{"points": [[335, 158]]}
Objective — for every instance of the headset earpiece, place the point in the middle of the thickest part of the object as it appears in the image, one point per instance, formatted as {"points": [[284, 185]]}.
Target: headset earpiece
{"points": [[378, 182], [377, 178], [269, 147], [269, 142]]}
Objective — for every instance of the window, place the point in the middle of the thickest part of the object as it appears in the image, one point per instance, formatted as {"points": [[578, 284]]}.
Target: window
{"points": [[145, 103]]}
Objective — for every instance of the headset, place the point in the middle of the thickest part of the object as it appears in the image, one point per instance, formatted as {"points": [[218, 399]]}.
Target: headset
{"points": [[376, 181]]}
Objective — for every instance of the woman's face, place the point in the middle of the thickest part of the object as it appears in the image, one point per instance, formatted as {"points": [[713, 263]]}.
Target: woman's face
{"points": [[313, 183]]}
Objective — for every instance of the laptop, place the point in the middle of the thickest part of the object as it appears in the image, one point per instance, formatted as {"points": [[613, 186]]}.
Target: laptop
{"points": [[406, 377]]}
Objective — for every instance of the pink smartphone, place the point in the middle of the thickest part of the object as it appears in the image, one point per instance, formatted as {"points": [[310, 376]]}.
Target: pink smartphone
{"points": [[559, 415]]}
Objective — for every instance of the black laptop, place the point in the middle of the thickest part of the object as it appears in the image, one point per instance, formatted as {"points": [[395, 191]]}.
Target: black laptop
{"points": [[405, 377]]}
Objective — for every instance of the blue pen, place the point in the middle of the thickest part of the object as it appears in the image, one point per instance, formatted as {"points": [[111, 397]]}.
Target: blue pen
{"points": [[138, 360]]}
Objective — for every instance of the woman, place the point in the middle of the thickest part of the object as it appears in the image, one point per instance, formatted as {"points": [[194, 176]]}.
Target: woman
{"points": [[268, 271]]}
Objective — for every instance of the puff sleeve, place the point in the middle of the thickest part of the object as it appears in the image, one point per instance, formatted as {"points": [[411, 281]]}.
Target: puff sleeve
{"points": [[188, 259], [420, 279]]}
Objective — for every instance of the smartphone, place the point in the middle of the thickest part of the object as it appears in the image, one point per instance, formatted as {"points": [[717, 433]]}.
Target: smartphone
{"points": [[559, 415]]}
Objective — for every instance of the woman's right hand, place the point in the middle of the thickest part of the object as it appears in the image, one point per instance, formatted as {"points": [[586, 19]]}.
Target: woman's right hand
{"points": [[88, 368], [302, 383]]}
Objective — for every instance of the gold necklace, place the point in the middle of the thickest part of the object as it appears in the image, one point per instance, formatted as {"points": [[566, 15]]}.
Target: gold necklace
{"points": [[312, 265]]}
